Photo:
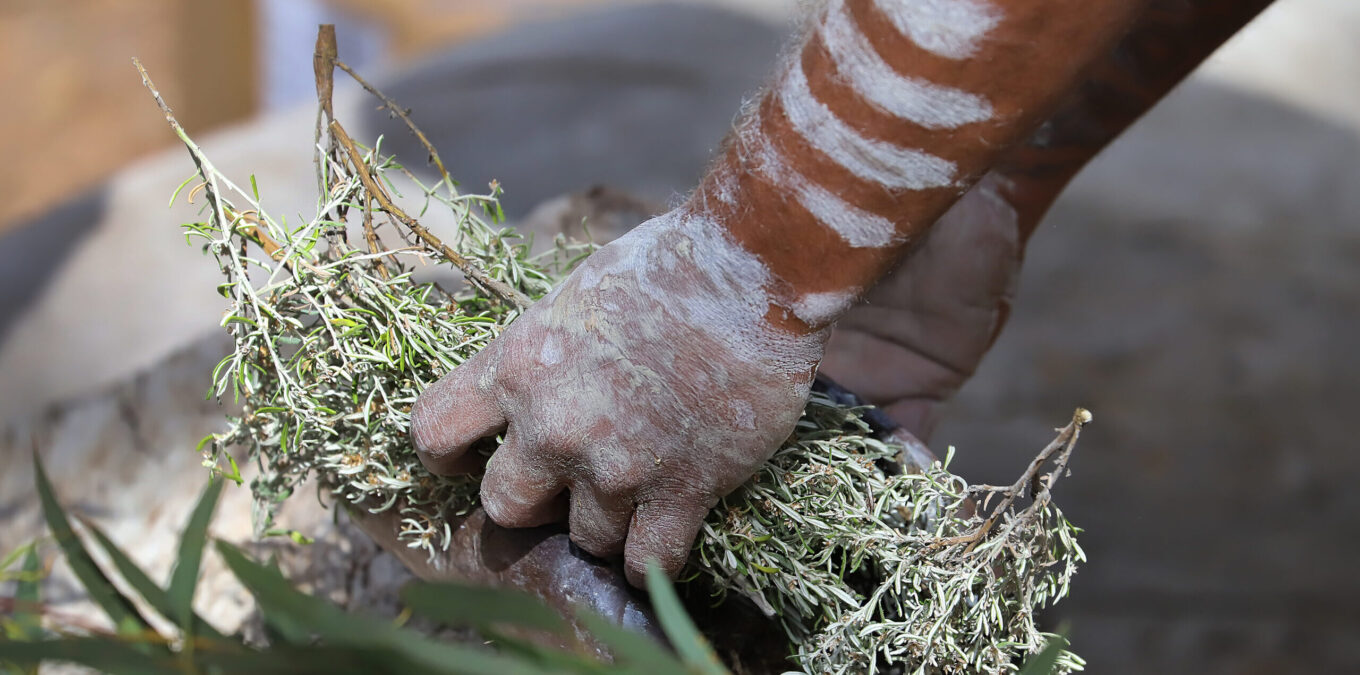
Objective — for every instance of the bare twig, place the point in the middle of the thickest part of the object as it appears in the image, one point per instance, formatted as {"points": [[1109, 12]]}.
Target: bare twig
{"points": [[1042, 486], [405, 116], [323, 66], [371, 236], [200, 162], [473, 274], [1062, 446]]}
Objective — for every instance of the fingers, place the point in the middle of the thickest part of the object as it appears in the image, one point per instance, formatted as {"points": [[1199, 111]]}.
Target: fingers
{"points": [[517, 490], [598, 524], [454, 413], [664, 532]]}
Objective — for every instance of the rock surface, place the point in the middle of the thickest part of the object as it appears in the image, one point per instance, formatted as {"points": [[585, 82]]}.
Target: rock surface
{"points": [[1196, 288]]}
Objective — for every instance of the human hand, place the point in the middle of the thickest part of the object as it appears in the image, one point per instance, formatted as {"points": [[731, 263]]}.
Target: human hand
{"points": [[647, 385]]}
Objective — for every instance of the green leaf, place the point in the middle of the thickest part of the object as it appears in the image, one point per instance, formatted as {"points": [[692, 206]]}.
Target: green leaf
{"points": [[175, 195], [306, 660], [185, 576], [464, 605], [14, 556], [140, 582], [1046, 661], [298, 538], [553, 659], [689, 644], [285, 606], [630, 648], [120, 610], [103, 654], [27, 595]]}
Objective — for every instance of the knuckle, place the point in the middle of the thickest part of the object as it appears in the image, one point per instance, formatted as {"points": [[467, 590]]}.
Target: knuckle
{"points": [[423, 428], [504, 510], [595, 538]]}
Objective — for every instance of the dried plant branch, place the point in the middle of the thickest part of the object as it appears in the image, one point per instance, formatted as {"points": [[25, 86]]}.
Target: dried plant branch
{"points": [[371, 236], [405, 116], [323, 68], [1065, 442], [474, 275], [863, 567], [200, 162]]}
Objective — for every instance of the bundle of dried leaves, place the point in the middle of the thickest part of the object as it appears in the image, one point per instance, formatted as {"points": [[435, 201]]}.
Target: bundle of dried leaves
{"points": [[867, 568]]}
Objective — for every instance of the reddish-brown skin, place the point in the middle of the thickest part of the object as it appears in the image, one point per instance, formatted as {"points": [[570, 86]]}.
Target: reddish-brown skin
{"points": [[1023, 67], [1171, 39], [911, 373], [652, 484]]}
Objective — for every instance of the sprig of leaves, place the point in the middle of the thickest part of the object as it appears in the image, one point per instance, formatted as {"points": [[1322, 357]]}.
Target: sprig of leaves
{"points": [[864, 567]]}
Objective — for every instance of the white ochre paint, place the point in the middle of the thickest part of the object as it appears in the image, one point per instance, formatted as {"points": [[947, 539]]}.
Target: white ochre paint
{"points": [[857, 227], [730, 296], [820, 309], [930, 105], [888, 165], [949, 28]]}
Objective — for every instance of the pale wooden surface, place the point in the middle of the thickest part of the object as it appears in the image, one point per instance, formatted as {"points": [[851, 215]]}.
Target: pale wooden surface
{"points": [[76, 113], [75, 110]]}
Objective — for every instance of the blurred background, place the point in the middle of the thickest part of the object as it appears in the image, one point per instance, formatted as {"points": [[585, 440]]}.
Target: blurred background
{"points": [[1197, 287]]}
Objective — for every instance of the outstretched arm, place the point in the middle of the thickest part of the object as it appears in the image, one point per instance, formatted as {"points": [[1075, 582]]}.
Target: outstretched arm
{"points": [[671, 364], [922, 331]]}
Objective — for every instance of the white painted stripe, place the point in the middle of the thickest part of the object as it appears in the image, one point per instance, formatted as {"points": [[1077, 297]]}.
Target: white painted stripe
{"points": [[725, 185], [930, 105], [820, 309], [949, 28], [859, 228], [883, 163]]}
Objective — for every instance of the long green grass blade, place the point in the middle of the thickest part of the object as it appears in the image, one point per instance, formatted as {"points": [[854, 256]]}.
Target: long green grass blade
{"points": [[307, 660], [185, 577], [153, 595], [103, 654], [689, 644], [277, 598], [464, 605], [27, 595], [13, 557], [102, 591], [554, 659], [633, 652]]}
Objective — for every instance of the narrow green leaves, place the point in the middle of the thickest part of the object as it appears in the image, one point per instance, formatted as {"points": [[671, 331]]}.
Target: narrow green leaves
{"points": [[689, 644], [119, 609], [185, 576], [154, 595], [287, 609], [27, 622], [633, 652], [105, 655], [480, 607]]}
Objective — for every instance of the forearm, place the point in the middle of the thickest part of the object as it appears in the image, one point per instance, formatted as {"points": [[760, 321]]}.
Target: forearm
{"points": [[924, 329], [1170, 40], [886, 113]]}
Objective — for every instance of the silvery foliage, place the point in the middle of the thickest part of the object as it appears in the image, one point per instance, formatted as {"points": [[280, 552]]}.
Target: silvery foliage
{"points": [[335, 338]]}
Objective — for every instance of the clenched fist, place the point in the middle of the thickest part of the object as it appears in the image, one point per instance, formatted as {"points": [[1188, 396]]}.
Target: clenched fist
{"points": [[646, 386]]}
